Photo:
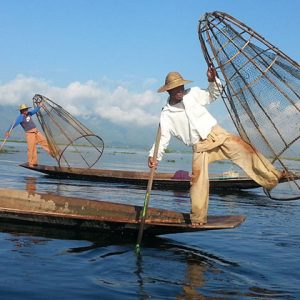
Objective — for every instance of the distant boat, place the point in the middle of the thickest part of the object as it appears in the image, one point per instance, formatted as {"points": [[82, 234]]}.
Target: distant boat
{"points": [[179, 180]]}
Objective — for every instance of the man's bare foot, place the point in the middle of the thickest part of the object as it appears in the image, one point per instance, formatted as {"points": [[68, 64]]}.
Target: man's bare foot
{"points": [[198, 224], [286, 174], [197, 221]]}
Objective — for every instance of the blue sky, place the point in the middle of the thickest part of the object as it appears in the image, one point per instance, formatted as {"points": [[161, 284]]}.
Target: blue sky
{"points": [[108, 57]]}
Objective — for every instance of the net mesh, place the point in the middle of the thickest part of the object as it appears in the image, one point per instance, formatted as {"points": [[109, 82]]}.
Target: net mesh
{"points": [[261, 88], [71, 143]]}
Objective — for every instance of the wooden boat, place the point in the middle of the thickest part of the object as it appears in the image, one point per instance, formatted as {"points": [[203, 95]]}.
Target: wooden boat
{"points": [[161, 180], [84, 215]]}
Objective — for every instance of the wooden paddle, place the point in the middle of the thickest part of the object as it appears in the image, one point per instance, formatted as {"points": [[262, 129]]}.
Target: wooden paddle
{"points": [[4, 141], [147, 196]]}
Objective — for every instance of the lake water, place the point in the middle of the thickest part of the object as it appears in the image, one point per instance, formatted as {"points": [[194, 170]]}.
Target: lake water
{"points": [[259, 259]]}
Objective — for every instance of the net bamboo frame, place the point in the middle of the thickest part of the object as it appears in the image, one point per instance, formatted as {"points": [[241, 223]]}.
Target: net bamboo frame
{"points": [[71, 143]]}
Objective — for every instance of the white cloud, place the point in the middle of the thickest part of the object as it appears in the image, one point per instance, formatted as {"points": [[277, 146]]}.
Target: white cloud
{"points": [[118, 105], [135, 116], [20, 90]]}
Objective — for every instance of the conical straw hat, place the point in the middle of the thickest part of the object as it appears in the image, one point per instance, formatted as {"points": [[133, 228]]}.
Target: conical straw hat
{"points": [[173, 80]]}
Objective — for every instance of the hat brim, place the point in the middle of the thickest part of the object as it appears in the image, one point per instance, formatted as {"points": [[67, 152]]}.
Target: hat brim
{"points": [[173, 85], [25, 108]]}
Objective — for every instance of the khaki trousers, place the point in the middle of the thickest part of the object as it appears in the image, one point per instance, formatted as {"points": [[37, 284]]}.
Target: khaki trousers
{"points": [[221, 145], [34, 137]]}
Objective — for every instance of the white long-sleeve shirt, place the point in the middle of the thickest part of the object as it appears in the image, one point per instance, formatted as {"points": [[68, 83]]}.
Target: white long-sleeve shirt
{"points": [[188, 120]]}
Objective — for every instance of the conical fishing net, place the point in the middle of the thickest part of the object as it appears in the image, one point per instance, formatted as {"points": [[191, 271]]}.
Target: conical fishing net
{"points": [[71, 143], [261, 88]]}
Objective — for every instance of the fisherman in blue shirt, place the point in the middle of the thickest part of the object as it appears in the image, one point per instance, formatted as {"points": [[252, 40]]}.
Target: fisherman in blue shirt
{"points": [[33, 135]]}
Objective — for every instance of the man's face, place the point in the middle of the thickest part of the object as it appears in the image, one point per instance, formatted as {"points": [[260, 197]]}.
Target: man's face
{"points": [[24, 111], [177, 93]]}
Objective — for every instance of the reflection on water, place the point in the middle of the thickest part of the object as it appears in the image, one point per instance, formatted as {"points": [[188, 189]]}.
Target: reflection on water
{"points": [[194, 281], [166, 269], [30, 184]]}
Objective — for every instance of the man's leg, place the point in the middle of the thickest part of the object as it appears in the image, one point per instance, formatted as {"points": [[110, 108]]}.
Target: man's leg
{"points": [[199, 191], [251, 161], [31, 148], [41, 140]]}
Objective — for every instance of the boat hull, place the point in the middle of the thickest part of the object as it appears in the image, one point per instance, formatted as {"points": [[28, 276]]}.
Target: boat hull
{"points": [[84, 215], [162, 181]]}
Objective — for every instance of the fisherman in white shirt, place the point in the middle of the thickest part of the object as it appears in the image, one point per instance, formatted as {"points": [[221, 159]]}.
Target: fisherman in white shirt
{"points": [[186, 117]]}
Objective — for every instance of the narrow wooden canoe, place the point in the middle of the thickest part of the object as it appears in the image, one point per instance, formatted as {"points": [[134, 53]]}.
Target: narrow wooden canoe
{"points": [[84, 215], [167, 181]]}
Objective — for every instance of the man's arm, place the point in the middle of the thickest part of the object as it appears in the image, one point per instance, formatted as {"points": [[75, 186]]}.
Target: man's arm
{"points": [[215, 86], [17, 122], [34, 111], [211, 74], [206, 96], [163, 145]]}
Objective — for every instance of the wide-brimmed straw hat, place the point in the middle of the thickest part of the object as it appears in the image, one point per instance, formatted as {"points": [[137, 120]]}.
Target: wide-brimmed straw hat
{"points": [[24, 106], [173, 80]]}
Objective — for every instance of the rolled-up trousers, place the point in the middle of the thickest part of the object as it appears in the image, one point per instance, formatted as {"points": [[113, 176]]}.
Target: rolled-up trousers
{"points": [[34, 137], [221, 145]]}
